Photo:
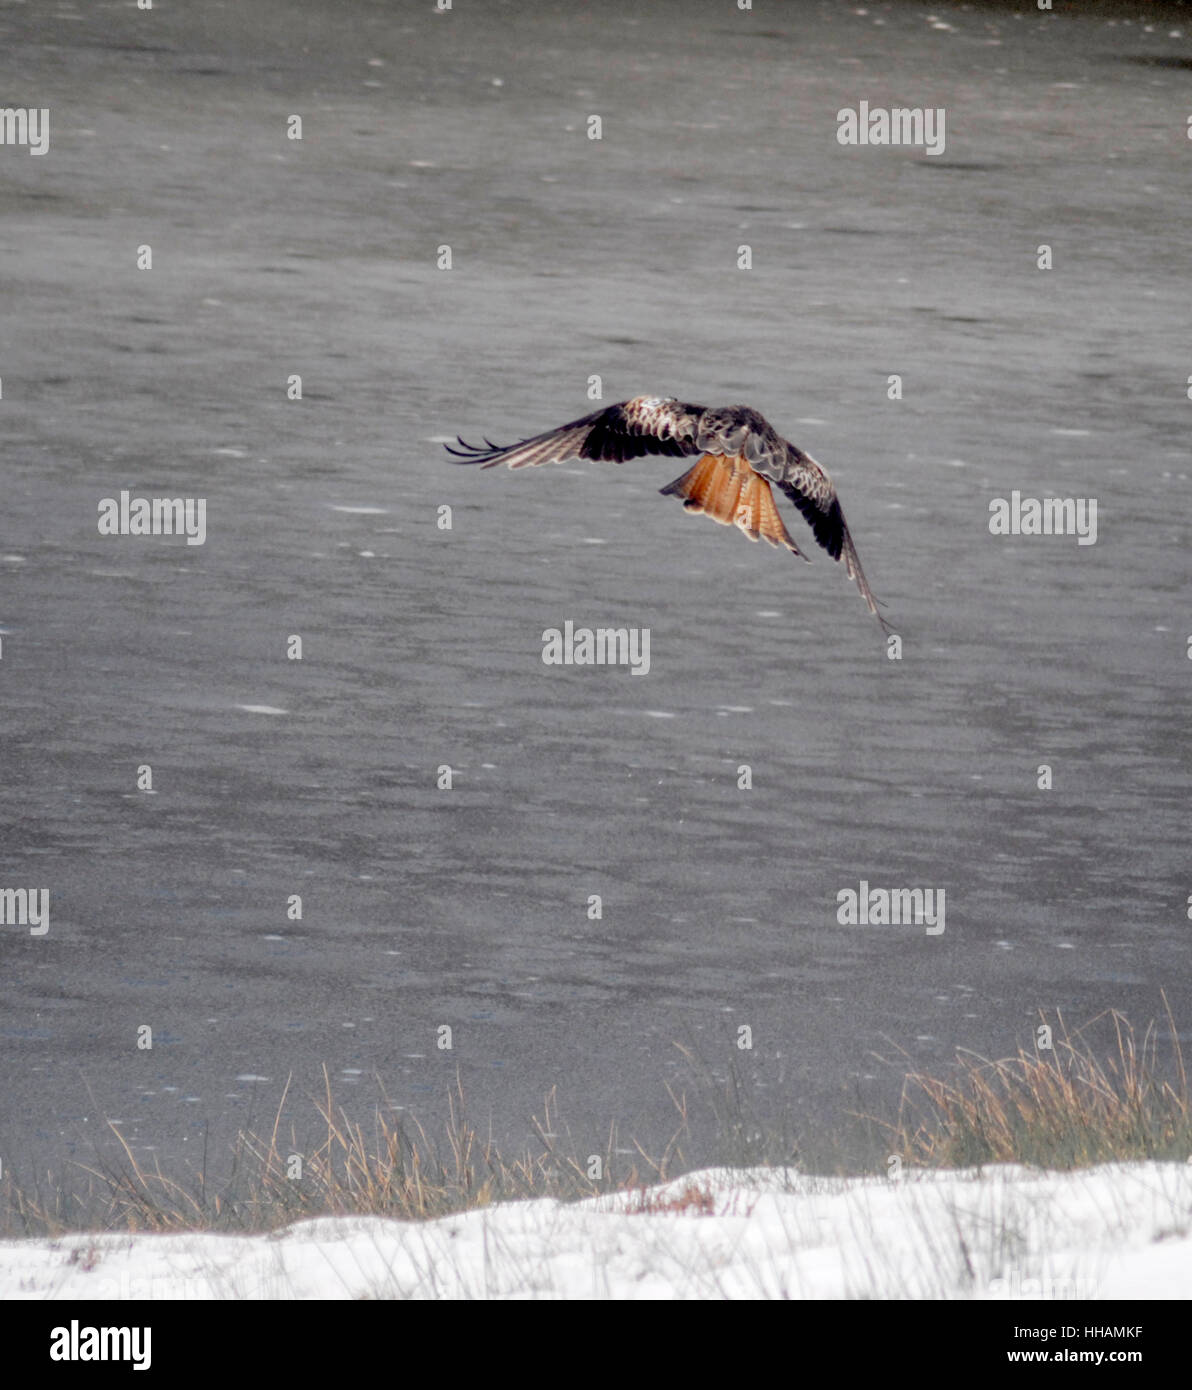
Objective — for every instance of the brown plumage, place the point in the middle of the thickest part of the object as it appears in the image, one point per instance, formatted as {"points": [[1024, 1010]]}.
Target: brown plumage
{"points": [[730, 492], [738, 455]]}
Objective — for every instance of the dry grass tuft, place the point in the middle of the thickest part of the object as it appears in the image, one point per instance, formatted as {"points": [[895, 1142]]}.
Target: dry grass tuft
{"points": [[693, 1199], [390, 1167], [1071, 1106]]}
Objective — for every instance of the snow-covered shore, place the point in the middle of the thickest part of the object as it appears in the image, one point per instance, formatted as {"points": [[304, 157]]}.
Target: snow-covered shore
{"points": [[1004, 1233]]}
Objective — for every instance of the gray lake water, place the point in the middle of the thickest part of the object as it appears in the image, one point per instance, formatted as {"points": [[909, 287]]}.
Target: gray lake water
{"points": [[422, 647]]}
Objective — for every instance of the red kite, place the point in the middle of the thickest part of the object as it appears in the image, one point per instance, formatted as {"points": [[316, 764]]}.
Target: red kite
{"points": [[738, 455]]}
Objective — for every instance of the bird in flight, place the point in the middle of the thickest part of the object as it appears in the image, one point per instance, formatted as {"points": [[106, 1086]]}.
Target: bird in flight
{"points": [[738, 455]]}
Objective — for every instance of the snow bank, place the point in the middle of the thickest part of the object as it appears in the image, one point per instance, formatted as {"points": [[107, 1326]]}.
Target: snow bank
{"points": [[1114, 1232]]}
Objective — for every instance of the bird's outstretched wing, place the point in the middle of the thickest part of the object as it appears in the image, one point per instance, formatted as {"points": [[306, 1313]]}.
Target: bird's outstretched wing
{"points": [[627, 430], [811, 490]]}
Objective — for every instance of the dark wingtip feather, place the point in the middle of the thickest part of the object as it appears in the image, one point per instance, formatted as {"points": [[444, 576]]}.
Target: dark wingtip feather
{"points": [[474, 453]]}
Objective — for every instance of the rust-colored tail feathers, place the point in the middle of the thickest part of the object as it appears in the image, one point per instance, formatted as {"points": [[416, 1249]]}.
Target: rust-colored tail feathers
{"points": [[730, 492]]}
